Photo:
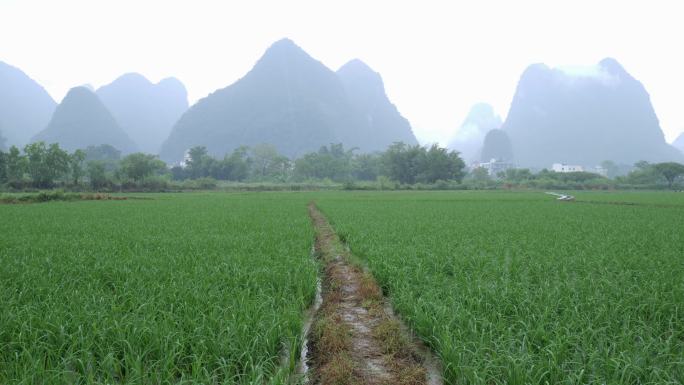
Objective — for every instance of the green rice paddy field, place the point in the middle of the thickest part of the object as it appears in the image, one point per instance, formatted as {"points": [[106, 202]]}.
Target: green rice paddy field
{"points": [[506, 287]]}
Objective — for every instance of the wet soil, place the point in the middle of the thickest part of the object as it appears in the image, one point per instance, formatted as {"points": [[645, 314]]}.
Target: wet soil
{"points": [[356, 338]]}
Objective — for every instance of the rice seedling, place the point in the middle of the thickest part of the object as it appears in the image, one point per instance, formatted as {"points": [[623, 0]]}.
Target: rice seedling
{"points": [[516, 288], [194, 288]]}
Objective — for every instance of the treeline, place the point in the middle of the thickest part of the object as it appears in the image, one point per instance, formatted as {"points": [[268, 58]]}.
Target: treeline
{"points": [[644, 175], [401, 166], [402, 163], [41, 166], [102, 168]]}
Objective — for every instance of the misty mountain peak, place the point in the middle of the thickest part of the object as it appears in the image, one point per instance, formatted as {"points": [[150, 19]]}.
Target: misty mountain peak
{"points": [[81, 120], [25, 106], [358, 71], [133, 79], [145, 111], [294, 102], [172, 83], [599, 113], [79, 93], [470, 136], [283, 49], [356, 65], [612, 66]]}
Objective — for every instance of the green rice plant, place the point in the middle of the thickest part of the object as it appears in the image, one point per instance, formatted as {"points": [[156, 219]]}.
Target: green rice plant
{"points": [[517, 288], [178, 289]]}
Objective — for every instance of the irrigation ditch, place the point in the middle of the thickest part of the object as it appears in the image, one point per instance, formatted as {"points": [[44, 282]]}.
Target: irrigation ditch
{"points": [[354, 336]]}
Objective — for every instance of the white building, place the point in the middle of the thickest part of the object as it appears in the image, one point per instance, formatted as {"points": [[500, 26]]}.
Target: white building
{"points": [[560, 167], [495, 166], [186, 159]]}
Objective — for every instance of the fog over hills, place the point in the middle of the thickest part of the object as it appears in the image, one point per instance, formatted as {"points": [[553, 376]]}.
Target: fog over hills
{"points": [[471, 134], [145, 111], [584, 118], [294, 102], [25, 106], [81, 120]]}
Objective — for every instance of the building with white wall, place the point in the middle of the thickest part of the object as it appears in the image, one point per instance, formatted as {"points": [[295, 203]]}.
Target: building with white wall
{"points": [[560, 167], [495, 166]]}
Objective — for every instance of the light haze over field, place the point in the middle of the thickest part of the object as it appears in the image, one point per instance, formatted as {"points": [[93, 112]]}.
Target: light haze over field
{"points": [[437, 58]]}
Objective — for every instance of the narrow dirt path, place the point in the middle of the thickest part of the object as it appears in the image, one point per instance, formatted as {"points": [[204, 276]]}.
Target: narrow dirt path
{"points": [[356, 339]]}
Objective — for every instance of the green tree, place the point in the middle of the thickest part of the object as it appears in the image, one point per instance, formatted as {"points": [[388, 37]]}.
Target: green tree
{"points": [[3, 167], [97, 174], [480, 174], [104, 152], [76, 165], [107, 155], [437, 163], [200, 162], [518, 175], [400, 162], [267, 163], [333, 162], [237, 164], [46, 164], [644, 174], [411, 164], [365, 166], [139, 166], [16, 166], [670, 171]]}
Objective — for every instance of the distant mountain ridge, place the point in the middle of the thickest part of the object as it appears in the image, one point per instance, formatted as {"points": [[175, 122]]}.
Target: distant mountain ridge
{"points": [[469, 138], [145, 111], [556, 117], [81, 120], [295, 103], [382, 124], [25, 106]]}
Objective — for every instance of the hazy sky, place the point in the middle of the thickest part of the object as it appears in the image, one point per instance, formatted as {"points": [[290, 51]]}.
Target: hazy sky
{"points": [[437, 58]]}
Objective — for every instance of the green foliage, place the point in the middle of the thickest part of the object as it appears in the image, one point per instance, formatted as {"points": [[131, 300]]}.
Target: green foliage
{"points": [[366, 167], [518, 175], [415, 164], [139, 166], [670, 171], [179, 289], [16, 166], [234, 167], [3, 168], [267, 163], [46, 164], [644, 174], [97, 174], [516, 288], [102, 152], [76, 166], [329, 162]]}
